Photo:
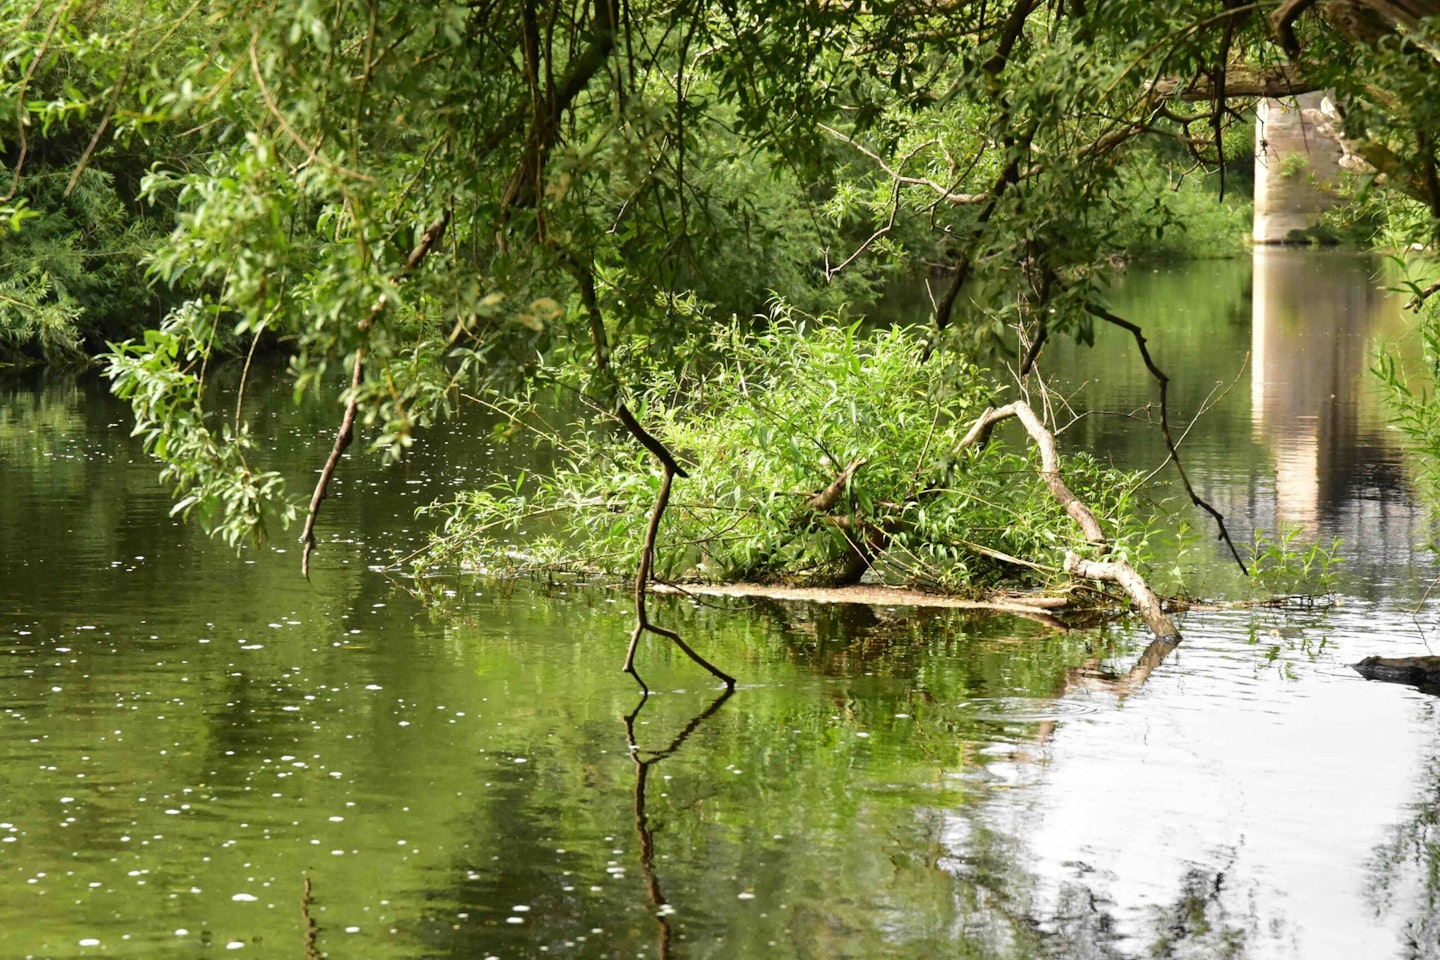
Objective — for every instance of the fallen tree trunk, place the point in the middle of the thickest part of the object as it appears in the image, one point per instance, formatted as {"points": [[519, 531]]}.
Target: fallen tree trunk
{"points": [[1112, 570], [1041, 609]]}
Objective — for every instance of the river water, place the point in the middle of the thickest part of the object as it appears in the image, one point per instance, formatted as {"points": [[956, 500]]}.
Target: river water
{"points": [[202, 754]]}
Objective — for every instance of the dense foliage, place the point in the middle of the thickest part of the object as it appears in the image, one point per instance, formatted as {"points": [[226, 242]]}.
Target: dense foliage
{"points": [[788, 413], [441, 196]]}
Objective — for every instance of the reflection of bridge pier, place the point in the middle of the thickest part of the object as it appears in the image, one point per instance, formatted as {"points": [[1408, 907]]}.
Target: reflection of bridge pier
{"points": [[1303, 437], [1316, 320]]}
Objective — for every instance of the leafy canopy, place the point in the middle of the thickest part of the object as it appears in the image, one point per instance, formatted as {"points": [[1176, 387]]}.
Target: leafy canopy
{"points": [[442, 194]]}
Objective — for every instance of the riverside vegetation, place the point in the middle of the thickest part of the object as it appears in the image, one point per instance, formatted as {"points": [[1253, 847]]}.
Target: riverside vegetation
{"points": [[450, 202]]}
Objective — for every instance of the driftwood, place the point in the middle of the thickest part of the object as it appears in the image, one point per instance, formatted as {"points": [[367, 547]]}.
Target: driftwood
{"points": [[1113, 570], [1041, 609]]}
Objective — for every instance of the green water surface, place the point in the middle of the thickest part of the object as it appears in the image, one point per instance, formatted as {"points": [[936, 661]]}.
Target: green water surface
{"points": [[203, 753]]}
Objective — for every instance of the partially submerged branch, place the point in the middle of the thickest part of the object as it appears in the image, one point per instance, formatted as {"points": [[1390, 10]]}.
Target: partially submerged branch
{"points": [[1115, 570], [670, 469], [1121, 573], [642, 583]]}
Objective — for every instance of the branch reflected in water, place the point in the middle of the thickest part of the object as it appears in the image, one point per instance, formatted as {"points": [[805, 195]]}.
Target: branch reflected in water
{"points": [[642, 821], [1089, 675]]}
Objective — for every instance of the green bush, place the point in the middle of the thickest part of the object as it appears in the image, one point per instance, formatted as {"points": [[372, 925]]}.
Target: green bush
{"points": [[762, 431]]}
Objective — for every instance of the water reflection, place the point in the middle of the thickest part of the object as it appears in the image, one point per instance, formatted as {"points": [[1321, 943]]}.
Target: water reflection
{"points": [[1094, 675], [1403, 876], [187, 739], [658, 903], [1270, 359], [1317, 319]]}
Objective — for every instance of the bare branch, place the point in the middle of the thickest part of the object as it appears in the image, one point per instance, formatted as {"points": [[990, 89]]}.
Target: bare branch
{"points": [[1049, 462], [1115, 570], [1163, 382], [1423, 295], [827, 498], [642, 583], [1241, 80], [945, 193], [1120, 572], [1282, 24], [670, 469]]}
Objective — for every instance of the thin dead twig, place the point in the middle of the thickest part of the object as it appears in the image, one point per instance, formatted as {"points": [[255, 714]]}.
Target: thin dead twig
{"points": [[1163, 382]]}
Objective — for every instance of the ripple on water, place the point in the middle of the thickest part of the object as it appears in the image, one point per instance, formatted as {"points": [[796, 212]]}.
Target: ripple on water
{"points": [[1027, 709]]}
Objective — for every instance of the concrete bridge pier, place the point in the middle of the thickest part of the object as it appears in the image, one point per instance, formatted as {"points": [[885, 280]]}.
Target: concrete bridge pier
{"points": [[1297, 162]]}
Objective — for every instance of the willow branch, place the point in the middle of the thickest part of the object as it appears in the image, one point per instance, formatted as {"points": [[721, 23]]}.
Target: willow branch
{"points": [[1241, 80], [827, 498], [945, 193], [1008, 177], [273, 107], [20, 109], [114, 102], [346, 433]]}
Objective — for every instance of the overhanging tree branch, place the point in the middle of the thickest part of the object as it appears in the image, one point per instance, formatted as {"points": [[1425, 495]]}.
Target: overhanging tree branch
{"points": [[346, 433], [1241, 80], [1162, 382], [1282, 24], [669, 468]]}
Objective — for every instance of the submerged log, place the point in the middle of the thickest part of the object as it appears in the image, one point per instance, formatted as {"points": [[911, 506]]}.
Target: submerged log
{"points": [[1422, 672]]}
